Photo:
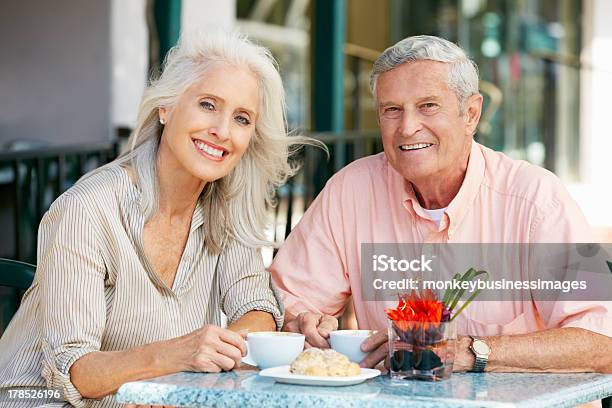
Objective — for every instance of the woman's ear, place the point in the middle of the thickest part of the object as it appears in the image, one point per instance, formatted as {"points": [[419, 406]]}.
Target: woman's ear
{"points": [[163, 113]]}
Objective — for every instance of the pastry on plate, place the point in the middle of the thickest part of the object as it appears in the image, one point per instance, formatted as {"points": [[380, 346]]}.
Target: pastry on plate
{"points": [[324, 363]]}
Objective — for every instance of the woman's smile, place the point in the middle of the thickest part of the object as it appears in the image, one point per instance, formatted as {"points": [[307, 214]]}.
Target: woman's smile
{"points": [[209, 150]]}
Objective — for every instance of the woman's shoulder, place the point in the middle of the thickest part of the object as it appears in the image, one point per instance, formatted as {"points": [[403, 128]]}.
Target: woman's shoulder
{"points": [[99, 191]]}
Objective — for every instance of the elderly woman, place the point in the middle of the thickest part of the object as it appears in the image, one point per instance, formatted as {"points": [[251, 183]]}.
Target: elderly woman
{"points": [[142, 262]]}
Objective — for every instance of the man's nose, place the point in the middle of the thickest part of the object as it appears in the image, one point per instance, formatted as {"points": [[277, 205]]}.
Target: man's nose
{"points": [[410, 123]]}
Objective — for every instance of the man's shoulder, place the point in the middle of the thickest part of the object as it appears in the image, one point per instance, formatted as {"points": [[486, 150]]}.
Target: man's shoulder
{"points": [[369, 167], [521, 179]]}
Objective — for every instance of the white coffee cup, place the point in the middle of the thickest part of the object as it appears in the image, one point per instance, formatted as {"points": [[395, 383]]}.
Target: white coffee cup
{"points": [[273, 349], [348, 342]]}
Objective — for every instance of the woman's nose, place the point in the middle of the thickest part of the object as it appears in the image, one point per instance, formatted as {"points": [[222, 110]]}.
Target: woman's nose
{"points": [[220, 129]]}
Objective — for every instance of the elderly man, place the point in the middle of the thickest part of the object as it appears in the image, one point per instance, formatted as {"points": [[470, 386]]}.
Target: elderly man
{"points": [[435, 184]]}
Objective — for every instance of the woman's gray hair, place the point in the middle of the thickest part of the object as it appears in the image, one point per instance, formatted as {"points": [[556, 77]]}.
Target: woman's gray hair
{"points": [[463, 72], [235, 205]]}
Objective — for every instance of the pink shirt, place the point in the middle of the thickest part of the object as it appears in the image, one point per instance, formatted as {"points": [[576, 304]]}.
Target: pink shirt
{"points": [[500, 201]]}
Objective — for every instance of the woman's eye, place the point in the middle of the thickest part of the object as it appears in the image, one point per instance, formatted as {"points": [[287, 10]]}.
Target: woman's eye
{"points": [[207, 105], [243, 120]]}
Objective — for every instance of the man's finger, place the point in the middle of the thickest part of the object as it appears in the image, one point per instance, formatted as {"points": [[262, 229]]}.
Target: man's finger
{"points": [[308, 326], [375, 357], [292, 326], [374, 341], [328, 324]]}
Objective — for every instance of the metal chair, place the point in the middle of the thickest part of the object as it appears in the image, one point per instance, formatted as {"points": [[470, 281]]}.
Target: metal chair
{"points": [[17, 276]]}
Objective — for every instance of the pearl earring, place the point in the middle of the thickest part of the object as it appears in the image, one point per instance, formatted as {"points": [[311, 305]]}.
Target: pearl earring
{"points": [[163, 122]]}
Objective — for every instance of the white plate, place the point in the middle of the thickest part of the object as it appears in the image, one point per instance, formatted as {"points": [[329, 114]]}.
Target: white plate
{"points": [[283, 375]]}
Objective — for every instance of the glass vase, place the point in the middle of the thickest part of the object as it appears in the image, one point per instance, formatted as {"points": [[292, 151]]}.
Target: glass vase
{"points": [[421, 350]]}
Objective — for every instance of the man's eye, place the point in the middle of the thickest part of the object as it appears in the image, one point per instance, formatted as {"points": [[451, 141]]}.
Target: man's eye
{"points": [[391, 109], [429, 105], [243, 120], [207, 105]]}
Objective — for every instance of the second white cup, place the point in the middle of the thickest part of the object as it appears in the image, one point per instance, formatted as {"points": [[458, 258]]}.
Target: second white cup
{"points": [[348, 342]]}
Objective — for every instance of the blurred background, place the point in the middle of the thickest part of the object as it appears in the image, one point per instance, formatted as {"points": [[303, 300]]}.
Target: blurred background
{"points": [[72, 74]]}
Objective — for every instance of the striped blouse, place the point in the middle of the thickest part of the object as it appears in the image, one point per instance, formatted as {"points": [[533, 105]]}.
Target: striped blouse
{"points": [[94, 289]]}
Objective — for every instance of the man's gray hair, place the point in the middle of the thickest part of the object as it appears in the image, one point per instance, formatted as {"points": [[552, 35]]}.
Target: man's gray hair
{"points": [[463, 72]]}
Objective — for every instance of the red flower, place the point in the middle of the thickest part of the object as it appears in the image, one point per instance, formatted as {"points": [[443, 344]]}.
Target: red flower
{"points": [[423, 307]]}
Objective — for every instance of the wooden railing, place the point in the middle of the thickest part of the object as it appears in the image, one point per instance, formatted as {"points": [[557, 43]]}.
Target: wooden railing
{"points": [[31, 180]]}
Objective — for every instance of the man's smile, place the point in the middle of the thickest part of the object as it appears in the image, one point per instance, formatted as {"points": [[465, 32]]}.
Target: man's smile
{"points": [[415, 146]]}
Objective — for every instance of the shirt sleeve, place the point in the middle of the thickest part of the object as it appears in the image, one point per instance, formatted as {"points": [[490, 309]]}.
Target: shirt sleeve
{"points": [[246, 285], [563, 222], [71, 275], [310, 268]]}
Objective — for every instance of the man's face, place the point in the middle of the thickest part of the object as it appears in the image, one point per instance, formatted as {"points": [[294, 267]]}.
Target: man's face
{"points": [[424, 133]]}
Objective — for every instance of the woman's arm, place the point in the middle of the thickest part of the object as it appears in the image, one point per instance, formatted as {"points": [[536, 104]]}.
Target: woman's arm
{"points": [[254, 321], [246, 289], [209, 349]]}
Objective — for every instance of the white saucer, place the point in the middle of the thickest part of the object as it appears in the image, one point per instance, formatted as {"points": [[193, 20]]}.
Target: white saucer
{"points": [[283, 375]]}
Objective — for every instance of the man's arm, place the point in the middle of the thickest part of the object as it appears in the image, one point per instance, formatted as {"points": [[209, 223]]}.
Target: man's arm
{"points": [[563, 350], [310, 271]]}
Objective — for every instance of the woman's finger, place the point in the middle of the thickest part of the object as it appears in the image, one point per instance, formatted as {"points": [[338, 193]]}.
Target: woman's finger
{"points": [[230, 351], [223, 362], [234, 339]]}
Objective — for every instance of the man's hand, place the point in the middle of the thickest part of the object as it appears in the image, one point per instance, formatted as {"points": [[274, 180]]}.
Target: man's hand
{"points": [[316, 327], [464, 358], [377, 347]]}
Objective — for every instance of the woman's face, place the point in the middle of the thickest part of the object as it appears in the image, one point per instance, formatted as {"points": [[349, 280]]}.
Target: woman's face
{"points": [[209, 128]]}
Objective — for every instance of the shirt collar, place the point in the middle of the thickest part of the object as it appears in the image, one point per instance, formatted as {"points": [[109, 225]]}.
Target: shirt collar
{"points": [[198, 215], [459, 205], [135, 196]]}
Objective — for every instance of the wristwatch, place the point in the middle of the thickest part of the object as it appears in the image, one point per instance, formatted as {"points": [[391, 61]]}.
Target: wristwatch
{"points": [[481, 351]]}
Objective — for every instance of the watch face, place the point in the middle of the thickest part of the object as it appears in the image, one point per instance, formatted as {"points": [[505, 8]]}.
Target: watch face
{"points": [[480, 347]]}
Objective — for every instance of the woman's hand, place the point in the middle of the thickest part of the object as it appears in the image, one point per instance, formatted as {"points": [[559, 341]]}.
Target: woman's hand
{"points": [[211, 349], [208, 349]]}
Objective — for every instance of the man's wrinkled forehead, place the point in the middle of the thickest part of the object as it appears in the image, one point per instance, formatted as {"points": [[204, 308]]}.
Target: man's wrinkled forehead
{"points": [[415, 79]]}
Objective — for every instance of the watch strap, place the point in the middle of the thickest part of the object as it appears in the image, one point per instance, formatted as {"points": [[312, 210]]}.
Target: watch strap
{"points": [[479, 364], [480, 360]]}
